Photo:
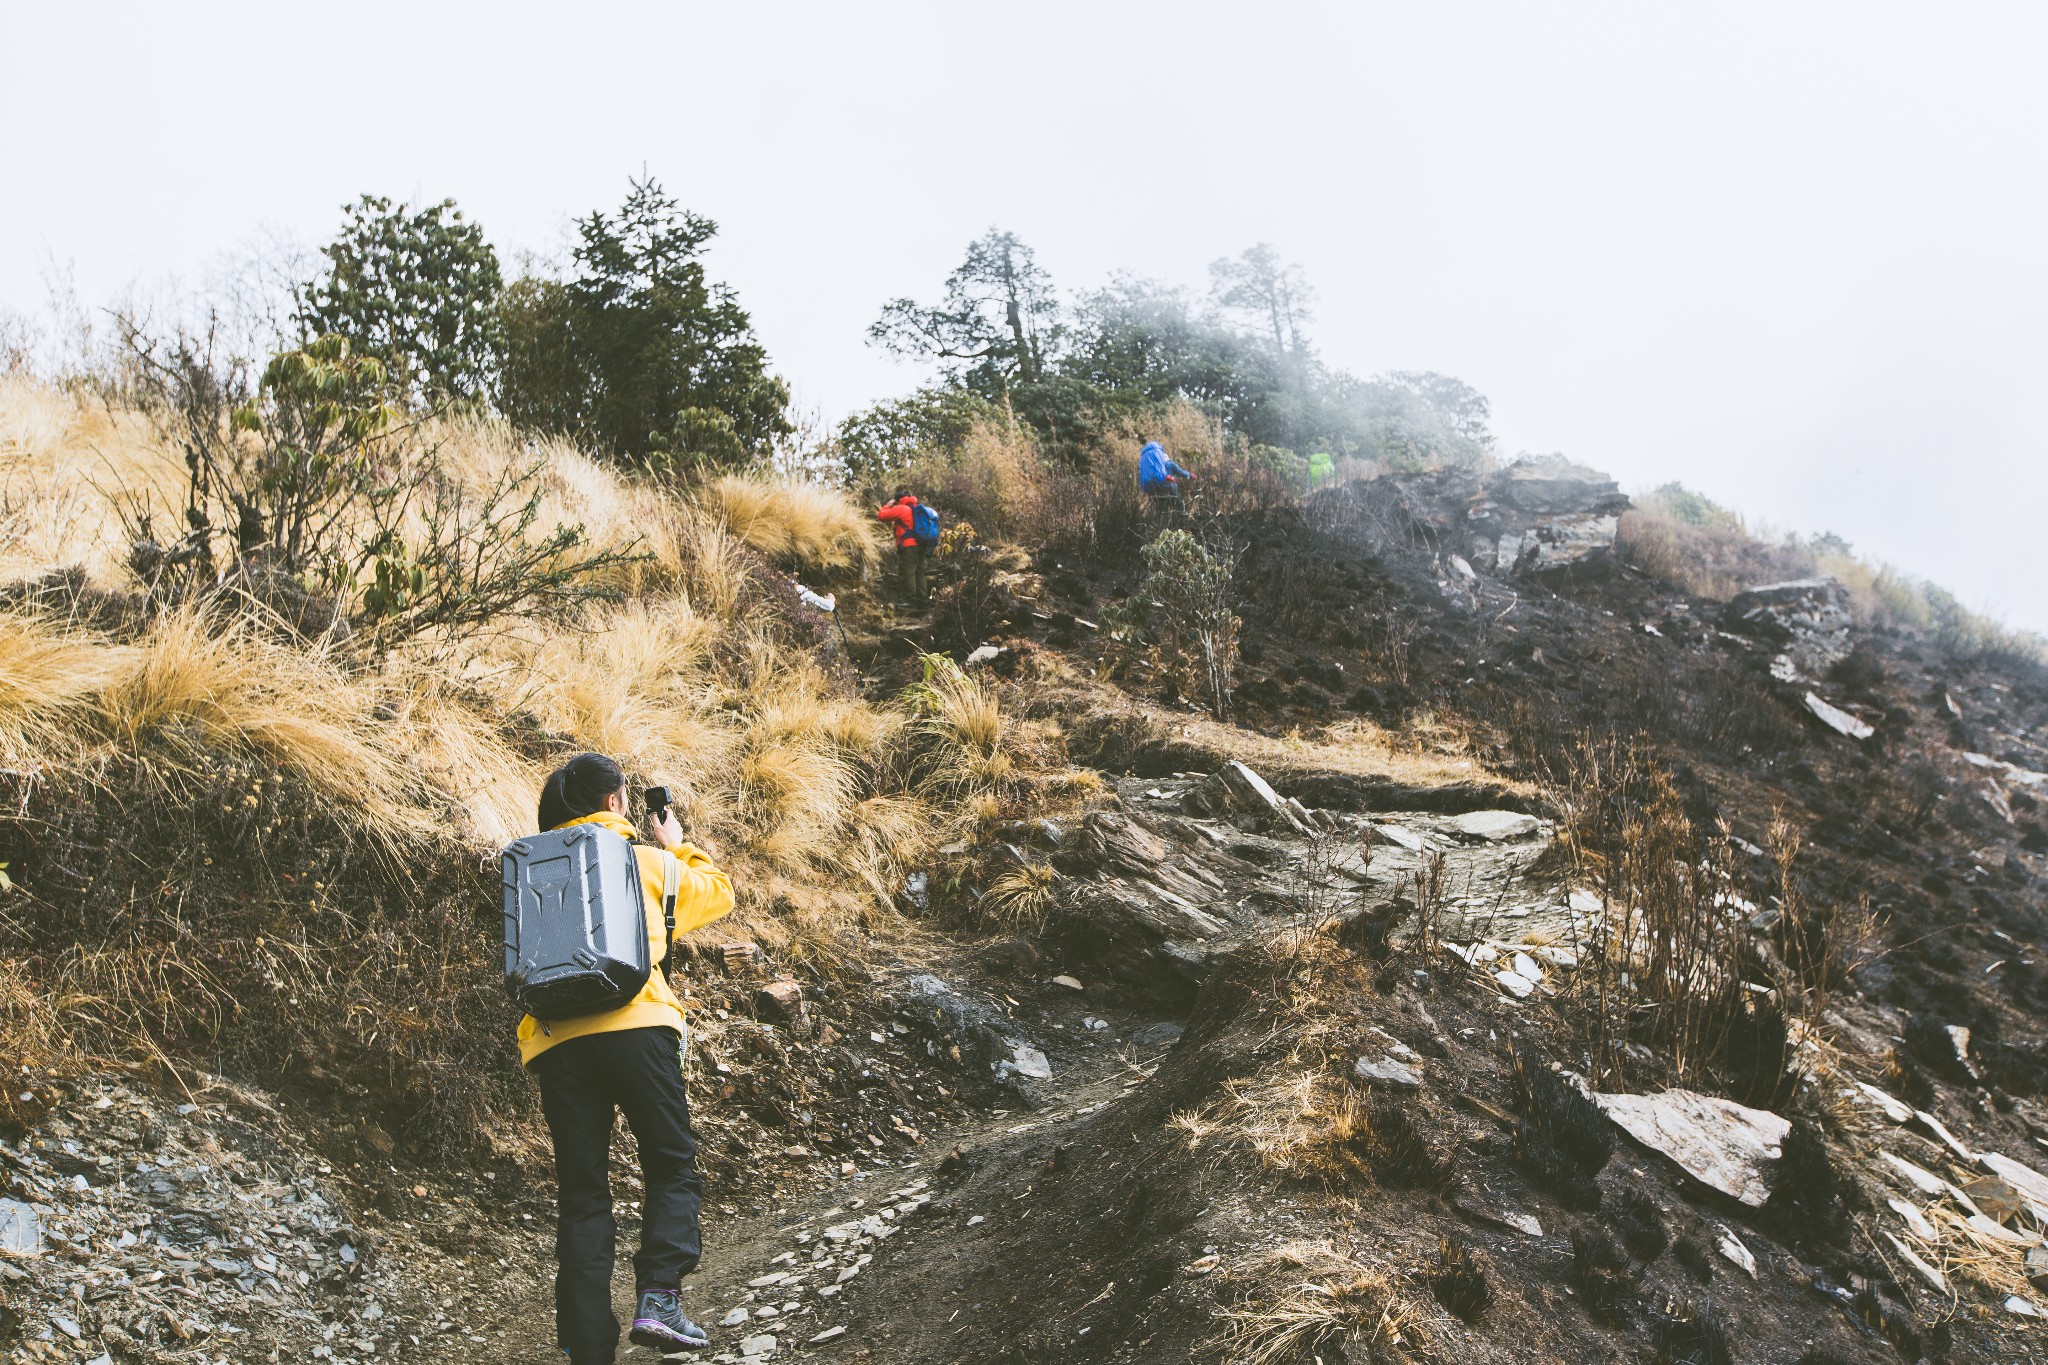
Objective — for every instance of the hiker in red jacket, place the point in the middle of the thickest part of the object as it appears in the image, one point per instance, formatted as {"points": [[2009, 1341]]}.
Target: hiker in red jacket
{"points": [[912, 553]]}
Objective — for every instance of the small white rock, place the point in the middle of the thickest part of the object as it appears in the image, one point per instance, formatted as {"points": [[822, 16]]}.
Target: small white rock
{"points": [[1386, 1071], [1515, 984], [1731, 1246], [734, 1318]]}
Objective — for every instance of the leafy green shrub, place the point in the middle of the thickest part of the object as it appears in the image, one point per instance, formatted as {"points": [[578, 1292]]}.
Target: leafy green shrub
{"points": [[1183, 610], [303, 497], [638, 352], [415, 289], [879, 445]]}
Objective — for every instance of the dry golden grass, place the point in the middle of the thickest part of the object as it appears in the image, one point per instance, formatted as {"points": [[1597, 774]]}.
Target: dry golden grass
{"points": [[1714, 562], [64, 461], [804, 525], [1001, 481], [418, 760], [1310, 1297], [616, 514], [194, 683], [1724, 556], [35, 1046], [1021, 898], [964, 718], [790, 777], [49, 685], [1434, 751]]}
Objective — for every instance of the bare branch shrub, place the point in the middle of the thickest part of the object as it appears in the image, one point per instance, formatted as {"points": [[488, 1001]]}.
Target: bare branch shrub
{"points": [[1666, 956], [450, 560]]}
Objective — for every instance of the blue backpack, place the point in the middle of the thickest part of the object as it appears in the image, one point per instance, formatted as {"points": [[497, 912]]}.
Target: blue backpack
{"points": [[924, 524]]}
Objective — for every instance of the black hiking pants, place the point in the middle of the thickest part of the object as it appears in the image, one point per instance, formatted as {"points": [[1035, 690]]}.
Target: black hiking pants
{"points": [[1164, 501], [638, 1072]]}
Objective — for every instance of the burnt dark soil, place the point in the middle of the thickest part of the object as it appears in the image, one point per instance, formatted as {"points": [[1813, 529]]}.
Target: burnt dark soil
{"points": [[1351, 608]]}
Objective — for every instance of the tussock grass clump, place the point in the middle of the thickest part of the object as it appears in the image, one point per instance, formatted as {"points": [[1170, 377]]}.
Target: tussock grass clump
{"points": [[1606, 1284], [1640, 1225], [1310, 1298], [1021, 898], [1399, 1155], [50, 682], [1690, 1334], [803, 525], [1313, 1126], [196, 685], [1561, 1138], [1692, 1253], [966, 732], [1808, 1199], [1457, 1276]]}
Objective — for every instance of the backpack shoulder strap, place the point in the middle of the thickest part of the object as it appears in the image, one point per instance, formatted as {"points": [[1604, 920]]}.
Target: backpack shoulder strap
{"points": [[671, 887]]}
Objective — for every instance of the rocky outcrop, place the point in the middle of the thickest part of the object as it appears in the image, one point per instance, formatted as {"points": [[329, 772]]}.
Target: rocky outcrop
{"points": [[1235, 790], [142, 1227], [1544, 512], [1153, 908], [1807, 619]]}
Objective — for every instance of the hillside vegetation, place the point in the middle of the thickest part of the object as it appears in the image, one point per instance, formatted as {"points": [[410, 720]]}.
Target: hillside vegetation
{"points": [[162, 749], [1195, 934]]}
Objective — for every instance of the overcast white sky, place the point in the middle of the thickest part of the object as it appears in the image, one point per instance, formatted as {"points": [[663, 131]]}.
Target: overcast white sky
{"points": [[1795, 255]]}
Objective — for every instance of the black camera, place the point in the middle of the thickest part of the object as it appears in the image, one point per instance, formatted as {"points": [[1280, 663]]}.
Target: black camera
{"points": [[657, 799]]}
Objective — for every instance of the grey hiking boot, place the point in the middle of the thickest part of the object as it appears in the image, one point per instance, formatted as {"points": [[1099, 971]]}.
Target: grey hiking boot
{"points": [[662, 1324]]}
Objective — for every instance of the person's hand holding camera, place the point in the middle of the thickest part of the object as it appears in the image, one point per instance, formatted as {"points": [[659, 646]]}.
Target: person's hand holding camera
{"points": [[666, 829], [662, 824]]}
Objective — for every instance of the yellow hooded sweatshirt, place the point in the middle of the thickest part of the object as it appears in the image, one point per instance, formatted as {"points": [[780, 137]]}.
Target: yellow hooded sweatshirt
{"points": [[705, 895]]}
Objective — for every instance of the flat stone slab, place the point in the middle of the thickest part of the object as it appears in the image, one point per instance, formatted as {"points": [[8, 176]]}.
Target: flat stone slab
{"points": [[1026, 1060], [1838, 720], [1723, 1145], [21, 1231], [1495, 826], [2030, 1183], [1387, 1071]]}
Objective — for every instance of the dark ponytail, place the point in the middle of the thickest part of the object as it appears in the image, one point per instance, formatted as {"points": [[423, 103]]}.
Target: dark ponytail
{"points": [[578, 788]]}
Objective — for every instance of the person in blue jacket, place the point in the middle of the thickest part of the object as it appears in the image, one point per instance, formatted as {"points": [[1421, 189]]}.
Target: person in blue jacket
{"points": [[1159, 478]]}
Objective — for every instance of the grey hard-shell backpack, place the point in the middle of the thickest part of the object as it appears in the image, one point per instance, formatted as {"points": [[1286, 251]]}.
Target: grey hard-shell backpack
{"points": [[576, 921]]}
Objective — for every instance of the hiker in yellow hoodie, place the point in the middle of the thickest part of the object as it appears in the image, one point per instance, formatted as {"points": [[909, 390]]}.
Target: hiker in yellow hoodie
{"points": [[629, 1059]]}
